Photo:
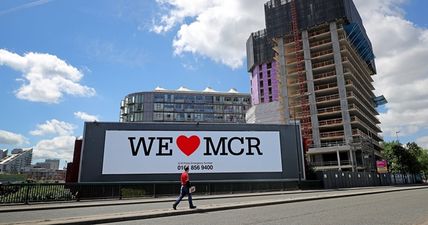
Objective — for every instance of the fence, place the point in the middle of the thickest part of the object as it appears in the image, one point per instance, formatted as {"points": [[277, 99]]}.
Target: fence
{"points": [[337, 179], [29, 193]]}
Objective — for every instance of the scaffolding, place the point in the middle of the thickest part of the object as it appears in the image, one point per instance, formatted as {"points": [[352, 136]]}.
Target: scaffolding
{"points": [[300, 67]]}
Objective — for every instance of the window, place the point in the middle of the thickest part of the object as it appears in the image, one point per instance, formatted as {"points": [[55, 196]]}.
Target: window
{"points": [[269, 65], [168, 116], [260, 75], [179, 117], [158, 106], [269, 82], [218, 117], [159, 98], [138, 117], [218, 108], [157, 116], [168, 107], [189, 116], [268, 73], [261, 83], [270, 98], [227, 99], [179, 98], [262, 92], [178, 107], [270, 91], [198, 117], [209, 99], [199, 99]]}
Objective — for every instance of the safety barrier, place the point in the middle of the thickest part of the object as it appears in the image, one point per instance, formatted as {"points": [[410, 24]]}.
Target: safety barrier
{"points": [[337, 179]]}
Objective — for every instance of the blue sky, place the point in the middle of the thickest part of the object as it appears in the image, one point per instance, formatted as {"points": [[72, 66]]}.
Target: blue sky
{"points": [[107, 49]]}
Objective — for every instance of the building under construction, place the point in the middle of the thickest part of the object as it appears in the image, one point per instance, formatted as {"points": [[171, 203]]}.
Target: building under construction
{"points": [[316, 60]]}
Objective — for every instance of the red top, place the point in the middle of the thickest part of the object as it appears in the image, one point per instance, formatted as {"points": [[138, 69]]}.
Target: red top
{"points": [[184, 178]]}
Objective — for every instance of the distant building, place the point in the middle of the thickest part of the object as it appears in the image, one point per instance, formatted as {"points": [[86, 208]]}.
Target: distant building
{"points": [[53, 163], [17, 161], [184, 105], [47, 170], [3, 153]]}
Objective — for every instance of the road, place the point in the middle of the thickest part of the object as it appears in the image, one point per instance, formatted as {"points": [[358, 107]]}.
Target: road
{"points": [[401, 208]]}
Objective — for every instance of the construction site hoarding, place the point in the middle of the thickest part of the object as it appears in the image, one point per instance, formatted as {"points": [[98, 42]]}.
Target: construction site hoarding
{"points": [[145, 152]]}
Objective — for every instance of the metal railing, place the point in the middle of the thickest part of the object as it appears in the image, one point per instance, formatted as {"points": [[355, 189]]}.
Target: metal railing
{"points": [[27, 193]]}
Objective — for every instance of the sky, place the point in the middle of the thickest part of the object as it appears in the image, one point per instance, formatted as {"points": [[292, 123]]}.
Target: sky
{"points": [[66, 62]]}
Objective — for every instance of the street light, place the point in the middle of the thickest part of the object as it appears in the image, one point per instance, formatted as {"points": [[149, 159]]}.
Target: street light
{"points": [[396, 135], [299, 163]]}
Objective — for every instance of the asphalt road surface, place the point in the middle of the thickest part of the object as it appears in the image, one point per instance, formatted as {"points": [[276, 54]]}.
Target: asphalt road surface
{"points": [[405, 207]]}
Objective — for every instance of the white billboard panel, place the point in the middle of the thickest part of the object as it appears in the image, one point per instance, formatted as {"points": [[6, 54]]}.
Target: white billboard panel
{"points": [[161, 152]]}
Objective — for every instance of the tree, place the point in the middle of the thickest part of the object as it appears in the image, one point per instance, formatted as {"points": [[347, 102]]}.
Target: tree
{"points": [[406, 159]]}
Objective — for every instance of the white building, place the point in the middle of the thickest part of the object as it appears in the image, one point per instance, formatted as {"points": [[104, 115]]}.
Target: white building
{"points": [[16, 162]]}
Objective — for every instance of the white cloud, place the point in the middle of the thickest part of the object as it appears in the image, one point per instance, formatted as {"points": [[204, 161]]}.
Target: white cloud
{"points": [[54, 127], [401, 48], [218, 28], [10, 138], [46, 77], [86, 117], [423, 142], [59, 148]]}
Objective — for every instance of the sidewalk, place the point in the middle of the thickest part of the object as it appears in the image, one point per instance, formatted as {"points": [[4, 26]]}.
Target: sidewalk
{"points": [[236, 201], [109, 202]]}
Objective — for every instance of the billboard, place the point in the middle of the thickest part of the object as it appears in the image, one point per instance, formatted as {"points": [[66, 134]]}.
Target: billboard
{"points": [[153, 152], [134, 152], [382, 166]]}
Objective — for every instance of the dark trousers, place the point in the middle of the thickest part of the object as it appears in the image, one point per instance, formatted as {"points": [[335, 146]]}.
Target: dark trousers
{"points": [[183, 192]]}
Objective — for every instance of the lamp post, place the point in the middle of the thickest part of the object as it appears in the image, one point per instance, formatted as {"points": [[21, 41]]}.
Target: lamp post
{"points": [[299, 161], [396, 135]]}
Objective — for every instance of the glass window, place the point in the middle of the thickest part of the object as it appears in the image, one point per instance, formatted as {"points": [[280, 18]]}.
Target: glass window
{"points": [[158, 106], [138, 117], [188, 116], [218, 108], [261, 83], [208, 117], [179, 98], [227, 100], [168, 116], [218, 117], [178, 107], [189, 98], [209, 99], [159, 98], [157, 116], [198, 117], [269, 82], [179, 116], [139, 107], [208, 108], [218, 99], [260, 75], [199, 108], [199, 99], [168, 107], [188, 107]]}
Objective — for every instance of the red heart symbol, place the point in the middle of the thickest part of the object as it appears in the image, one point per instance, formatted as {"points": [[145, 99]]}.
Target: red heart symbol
{"points": [[188, 145]]}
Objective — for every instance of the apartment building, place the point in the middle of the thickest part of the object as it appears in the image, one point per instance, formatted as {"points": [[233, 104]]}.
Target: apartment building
{"points": [[184, 105]]}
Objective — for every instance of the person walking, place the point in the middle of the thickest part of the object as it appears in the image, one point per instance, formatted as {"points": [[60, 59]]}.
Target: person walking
{"points": [[185, 189]]}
